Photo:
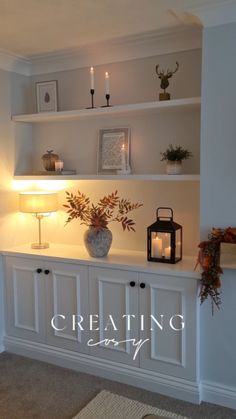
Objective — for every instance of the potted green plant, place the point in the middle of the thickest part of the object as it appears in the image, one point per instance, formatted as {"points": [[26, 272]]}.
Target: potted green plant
{"points": [[98, 237], [174, 155]]}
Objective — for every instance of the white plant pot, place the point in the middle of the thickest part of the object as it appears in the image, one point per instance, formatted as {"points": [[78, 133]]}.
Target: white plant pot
{"points": [[174, 167]]}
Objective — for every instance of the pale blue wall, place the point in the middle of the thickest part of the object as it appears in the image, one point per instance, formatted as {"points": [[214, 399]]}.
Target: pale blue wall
{"points": [[218, 193]]}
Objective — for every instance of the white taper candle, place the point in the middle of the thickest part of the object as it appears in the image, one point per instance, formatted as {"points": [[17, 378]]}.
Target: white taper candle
{"points": [[107, 86], [92, 78]]}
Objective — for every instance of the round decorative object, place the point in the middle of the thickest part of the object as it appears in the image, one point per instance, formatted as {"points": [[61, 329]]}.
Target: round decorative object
{"points": [[98, 241], [173, 167], [49, 160]]}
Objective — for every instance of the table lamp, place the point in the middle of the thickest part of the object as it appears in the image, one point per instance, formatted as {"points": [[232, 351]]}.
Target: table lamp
{"points": [[40, 204]]}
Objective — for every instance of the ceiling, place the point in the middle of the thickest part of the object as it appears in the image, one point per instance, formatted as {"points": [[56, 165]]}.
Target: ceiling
{"points": [[36, 27]]}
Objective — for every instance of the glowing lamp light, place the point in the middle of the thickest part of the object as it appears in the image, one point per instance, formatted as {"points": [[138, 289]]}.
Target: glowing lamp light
{"points": [[40, 204]]}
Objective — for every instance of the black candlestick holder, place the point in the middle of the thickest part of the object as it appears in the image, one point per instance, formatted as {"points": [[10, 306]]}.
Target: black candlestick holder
{"points": [[92, 91], [108, 104]]}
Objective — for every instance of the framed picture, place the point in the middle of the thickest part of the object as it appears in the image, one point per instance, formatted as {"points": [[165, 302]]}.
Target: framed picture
{"points": [[113, 150], [46, 96]]}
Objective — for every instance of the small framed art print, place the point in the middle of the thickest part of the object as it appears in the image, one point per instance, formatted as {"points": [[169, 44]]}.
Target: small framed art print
{"points": [[46, 96], [113, 150]]}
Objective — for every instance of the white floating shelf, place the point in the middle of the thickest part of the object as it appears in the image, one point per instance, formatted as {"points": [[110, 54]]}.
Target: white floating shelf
{"points": [[119, 110], [154, 177]]}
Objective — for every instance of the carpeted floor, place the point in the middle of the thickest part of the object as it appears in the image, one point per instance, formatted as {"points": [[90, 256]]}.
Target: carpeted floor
{"points": [[31, 389]]}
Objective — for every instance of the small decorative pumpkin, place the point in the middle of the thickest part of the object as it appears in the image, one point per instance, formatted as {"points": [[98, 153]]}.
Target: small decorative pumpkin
{"points": [[49, 160]]}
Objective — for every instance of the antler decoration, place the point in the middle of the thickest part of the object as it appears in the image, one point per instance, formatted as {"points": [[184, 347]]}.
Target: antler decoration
{"points": [[164, 77]]}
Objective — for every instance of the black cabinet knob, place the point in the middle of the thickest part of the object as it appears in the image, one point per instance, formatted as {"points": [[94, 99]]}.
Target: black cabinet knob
{"points": [[142, 285], [38, 270], [46, 271], [132, 283]]}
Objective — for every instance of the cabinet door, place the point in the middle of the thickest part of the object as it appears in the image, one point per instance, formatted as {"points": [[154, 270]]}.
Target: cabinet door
{"points": [[169, 351], [67, 305], [25, 302], [114, 294]]}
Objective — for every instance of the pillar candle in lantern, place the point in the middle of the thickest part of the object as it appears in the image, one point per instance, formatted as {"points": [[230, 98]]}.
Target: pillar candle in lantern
{"points": [[156, 247], [167, 252]]}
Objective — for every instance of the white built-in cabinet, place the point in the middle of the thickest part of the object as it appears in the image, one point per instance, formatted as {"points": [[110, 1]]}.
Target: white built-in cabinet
{"points": [[165, 350], [25, 303], [37, 289], [67, 294], [169, 351], [115, 292]]}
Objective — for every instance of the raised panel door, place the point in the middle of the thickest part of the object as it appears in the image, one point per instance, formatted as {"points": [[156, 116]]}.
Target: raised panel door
{"points": [[68, 306], [169, 306], [25, 302], [114, 306]]}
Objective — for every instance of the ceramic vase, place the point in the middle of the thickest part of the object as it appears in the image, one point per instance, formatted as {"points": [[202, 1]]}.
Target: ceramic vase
{"points": [[98, 241]]}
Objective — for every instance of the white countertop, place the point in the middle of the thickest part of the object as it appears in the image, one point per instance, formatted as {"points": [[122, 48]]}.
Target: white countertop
{"points": [[117, 258]]}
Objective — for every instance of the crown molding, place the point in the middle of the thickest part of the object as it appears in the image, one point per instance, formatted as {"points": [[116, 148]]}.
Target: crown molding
{"points": [[116, 50], [215, 13], [181, 38], [119, 49], [14, 63]]}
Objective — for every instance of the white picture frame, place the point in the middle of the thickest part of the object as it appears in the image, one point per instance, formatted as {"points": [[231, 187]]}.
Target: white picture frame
{"points": [[110, 142], [46, 96]]}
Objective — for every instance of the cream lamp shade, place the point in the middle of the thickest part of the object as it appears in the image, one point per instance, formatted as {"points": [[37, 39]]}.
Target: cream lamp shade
{"points": [[38, 202]]}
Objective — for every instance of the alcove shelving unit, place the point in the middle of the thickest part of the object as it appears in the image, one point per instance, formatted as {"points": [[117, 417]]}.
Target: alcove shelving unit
{"points": [[67, 278], [109, 112]]}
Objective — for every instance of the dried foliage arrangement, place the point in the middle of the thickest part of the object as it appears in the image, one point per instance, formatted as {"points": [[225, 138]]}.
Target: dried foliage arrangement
{"points": [[109, 209], [209, 260]]}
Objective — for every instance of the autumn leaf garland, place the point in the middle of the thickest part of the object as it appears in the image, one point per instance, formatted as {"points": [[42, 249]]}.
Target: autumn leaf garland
{"points": [[209, 260]]}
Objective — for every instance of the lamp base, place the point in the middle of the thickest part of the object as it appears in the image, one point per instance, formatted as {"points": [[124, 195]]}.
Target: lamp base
{"points": [[39, 245]]}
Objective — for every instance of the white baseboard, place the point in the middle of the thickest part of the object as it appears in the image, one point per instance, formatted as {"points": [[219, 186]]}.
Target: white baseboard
{"points": [[148, 380], [170, 386], [218, 394]]}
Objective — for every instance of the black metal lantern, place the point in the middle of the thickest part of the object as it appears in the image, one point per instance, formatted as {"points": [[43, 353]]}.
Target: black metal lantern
{"points": [[164, 239]]}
